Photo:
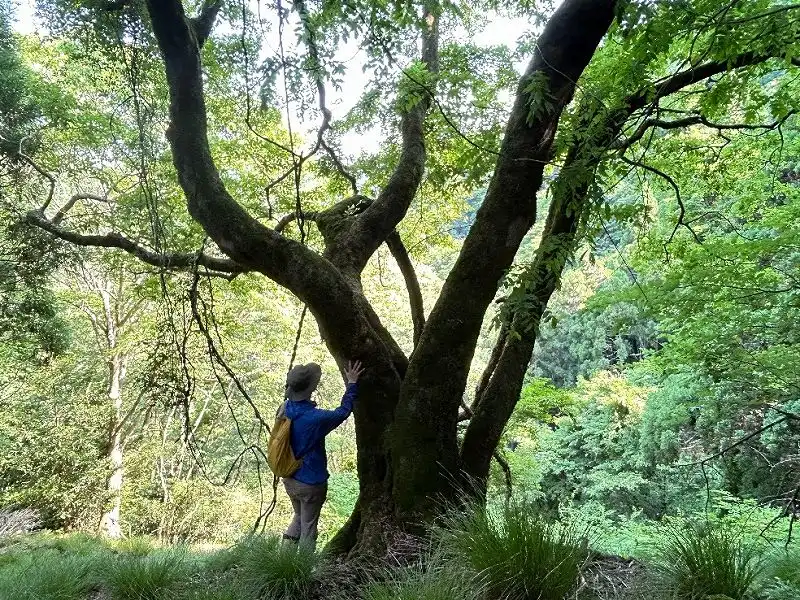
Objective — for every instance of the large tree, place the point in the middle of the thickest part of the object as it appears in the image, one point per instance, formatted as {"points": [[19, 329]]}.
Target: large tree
{"points": [[638, 55]]}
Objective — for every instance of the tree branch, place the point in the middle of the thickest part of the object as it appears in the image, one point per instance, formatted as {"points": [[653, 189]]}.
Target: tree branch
{"points": [[398, 250], [505, 329], [316, 68], [466, 415], [377, 222], [168, 260], [44, 173], [62, 212], [697, 119], [286, 219], [739, 442], [673, 83], [203, 23], [674, 185], [248, 242]]}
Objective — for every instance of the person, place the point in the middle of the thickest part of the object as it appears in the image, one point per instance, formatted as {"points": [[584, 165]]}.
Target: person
{"points": [[308, 487]]}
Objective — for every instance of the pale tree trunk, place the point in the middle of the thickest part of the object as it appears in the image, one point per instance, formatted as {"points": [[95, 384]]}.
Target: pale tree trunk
{"points": [[117, 363], [110, 521]]}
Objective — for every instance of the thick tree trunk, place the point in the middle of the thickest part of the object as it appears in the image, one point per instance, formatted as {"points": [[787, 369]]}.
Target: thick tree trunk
{"points": [[425, 447], [570, 192], [399, 474]]}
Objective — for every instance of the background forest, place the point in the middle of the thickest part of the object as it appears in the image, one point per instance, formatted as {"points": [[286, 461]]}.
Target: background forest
{"points": [[663, 392]]}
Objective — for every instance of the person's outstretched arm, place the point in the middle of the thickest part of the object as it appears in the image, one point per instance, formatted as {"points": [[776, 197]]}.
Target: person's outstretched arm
{"points": [[331, 419]]}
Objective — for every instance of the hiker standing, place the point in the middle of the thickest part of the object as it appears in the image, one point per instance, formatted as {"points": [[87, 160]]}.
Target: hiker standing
{"points": [[308, 486]]}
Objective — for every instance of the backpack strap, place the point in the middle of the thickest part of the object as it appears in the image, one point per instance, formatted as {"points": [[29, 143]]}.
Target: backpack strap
{"points": [[281, 410]]}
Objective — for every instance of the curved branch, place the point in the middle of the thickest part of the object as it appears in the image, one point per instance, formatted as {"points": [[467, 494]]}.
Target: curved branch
{"points": [[377, 222], [676, 82], [695, 120], [44, 173], [168, 260], [248, 242], [286, 219], [316, 68], [62, 212], [674, 185], [398, 250]]}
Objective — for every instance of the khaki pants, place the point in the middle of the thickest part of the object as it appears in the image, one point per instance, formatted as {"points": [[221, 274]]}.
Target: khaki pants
{"points": [[307, 501]]}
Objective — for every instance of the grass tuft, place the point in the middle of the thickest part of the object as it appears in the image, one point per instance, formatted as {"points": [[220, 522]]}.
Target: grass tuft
{"points": [[432, 579], [135, 577], [514, 552], [695, 563], [47, 576], [266, 567]]}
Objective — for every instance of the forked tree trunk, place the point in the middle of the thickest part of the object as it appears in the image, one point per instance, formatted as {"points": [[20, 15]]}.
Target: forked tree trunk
{"points": [[406, 416]]}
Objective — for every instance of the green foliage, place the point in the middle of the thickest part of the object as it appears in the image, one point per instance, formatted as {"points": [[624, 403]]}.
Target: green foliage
{"points": [[687, 347], [782, 575], [18, 109], [415, 83], [701, 562], [50, 431], [514, 552]]}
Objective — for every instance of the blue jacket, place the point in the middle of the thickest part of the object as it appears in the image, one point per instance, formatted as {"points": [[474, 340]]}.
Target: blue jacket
{"points": [[310, 425]]}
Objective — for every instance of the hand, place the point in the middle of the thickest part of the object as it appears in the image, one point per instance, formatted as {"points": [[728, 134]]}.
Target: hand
{"points": [[353, 371]]}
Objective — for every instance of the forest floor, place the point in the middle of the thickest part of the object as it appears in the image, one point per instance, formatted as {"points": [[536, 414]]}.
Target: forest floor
{"points": [[49, 566]]}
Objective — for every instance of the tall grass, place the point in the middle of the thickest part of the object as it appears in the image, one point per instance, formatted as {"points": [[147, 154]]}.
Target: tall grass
{"points": [[699, 562], [147, 577], [513, 552], [47, 575], [266, 567], [428, 580]]}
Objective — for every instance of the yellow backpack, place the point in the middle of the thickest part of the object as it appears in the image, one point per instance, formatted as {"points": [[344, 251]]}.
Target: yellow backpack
{"points": [[280, 456]]}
